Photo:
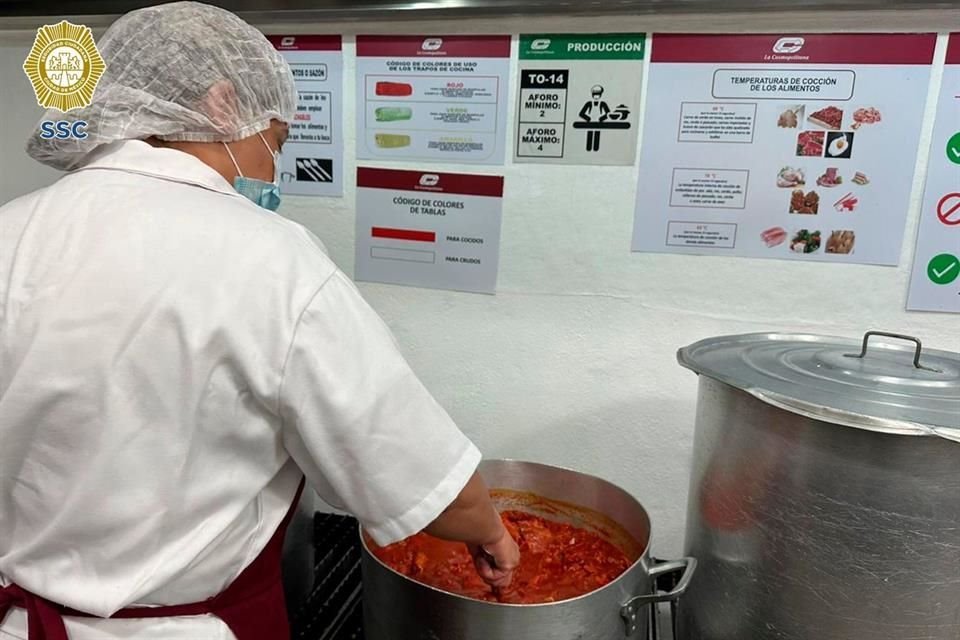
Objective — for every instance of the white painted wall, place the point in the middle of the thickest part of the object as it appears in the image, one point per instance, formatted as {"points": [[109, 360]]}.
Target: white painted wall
{"points": [[572, 362], [19, 113]]}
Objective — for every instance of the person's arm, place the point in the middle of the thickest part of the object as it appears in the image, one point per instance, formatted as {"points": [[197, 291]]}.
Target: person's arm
{"points": [[585, 112], [471, 518], [369, 436]]}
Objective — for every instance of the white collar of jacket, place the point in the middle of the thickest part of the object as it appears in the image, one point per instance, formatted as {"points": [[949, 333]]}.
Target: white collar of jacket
{"points": [[136, 156]]}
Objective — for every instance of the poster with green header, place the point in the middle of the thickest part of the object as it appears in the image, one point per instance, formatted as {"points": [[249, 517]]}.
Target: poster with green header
{"points": [[579, 97]]}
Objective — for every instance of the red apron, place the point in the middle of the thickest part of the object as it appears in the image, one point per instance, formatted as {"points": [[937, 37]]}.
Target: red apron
{"points": [[252, 606]]}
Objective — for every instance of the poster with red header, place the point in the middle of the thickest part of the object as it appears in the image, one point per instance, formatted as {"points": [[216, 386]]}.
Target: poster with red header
{"points": [[429, 229], [935, 283], [787, 146], [432, 98], [312, 160]]}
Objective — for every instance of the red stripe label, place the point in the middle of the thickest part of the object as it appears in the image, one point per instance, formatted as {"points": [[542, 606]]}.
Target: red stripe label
{"points": [[305, 43], [953, 49], [434, 46], [404, 234], [430, 182], [835, 48]]}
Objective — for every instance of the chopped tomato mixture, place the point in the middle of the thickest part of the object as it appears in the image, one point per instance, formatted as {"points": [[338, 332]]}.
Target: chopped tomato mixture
{"points": [[557, 561]]}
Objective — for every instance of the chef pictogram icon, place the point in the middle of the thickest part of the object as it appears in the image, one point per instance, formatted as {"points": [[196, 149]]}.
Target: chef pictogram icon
{"points": [[596, 116]]}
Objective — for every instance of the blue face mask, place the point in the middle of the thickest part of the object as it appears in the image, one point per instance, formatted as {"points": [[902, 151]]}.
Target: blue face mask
{"points": [[261, 193]]}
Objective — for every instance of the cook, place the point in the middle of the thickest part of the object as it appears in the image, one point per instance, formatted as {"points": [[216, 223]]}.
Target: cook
{"points": [[175, 358]]}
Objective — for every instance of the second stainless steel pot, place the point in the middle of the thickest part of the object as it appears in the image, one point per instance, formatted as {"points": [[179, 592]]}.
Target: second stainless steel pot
{"points": [[398, 608], [825, 490]]}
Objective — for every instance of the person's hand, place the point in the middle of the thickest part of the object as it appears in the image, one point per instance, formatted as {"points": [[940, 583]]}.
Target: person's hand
{"points": [[496, 562]]}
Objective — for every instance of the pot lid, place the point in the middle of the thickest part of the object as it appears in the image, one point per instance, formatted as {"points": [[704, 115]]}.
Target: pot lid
{"points": [[893, 386]]}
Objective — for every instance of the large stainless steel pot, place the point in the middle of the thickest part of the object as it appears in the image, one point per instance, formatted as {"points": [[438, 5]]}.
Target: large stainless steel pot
{"points": [[398, 608], [825, 490]]}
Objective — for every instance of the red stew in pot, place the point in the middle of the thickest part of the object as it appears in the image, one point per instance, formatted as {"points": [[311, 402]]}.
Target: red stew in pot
{"points": [[557, 561]]}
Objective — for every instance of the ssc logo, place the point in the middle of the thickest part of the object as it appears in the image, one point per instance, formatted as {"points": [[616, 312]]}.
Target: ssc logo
{"points": [[287, 41], [788, 45], [429, 180], [63, 129], [432, 44], [540, 44], [64, 66]]}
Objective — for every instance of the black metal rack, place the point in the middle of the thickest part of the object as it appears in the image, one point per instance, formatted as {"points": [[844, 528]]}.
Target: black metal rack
{"points": [[333, 610]]}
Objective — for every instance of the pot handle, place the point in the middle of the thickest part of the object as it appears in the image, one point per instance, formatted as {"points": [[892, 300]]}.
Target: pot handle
{"points": [[898, 336], [630, 609]]}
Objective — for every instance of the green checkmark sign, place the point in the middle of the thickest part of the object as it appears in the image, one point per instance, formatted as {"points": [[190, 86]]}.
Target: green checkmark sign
{"points": [[953, 148], [943, 269]]}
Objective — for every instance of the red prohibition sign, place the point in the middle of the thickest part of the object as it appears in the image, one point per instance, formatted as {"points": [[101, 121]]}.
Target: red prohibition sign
{"points": [[948, 209]]}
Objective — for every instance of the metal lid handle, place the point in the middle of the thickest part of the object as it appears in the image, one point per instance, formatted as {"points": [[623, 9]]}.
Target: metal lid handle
{"points": [[899, 336]]}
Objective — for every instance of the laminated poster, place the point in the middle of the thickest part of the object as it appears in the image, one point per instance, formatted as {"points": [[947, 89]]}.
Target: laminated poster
{"points": [[312, 160], [797, 147], [578, 98], [935, 284], [432, 98], [426, 229]]}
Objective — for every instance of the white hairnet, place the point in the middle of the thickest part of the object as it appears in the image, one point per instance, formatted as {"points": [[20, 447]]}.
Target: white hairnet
{"points": [[179, 71]]}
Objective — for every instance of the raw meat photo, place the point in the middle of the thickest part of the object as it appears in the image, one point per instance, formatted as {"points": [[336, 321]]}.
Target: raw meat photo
{"points": [[867, 115], [774, 236], [830, 178], [810, 143], [790, 177], [847, 203], [828, 118]]}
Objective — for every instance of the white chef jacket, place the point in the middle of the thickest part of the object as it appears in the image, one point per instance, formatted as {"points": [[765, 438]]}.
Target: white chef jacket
{"points": [[171, 357]]}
